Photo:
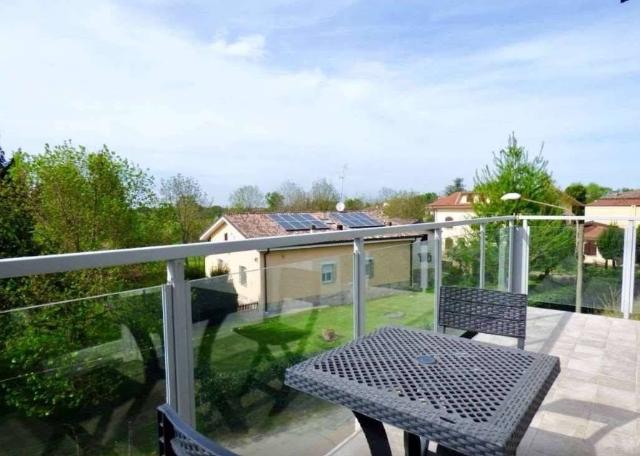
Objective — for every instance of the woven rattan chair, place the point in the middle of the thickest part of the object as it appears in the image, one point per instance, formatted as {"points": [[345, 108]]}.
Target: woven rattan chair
{"points": [[177, 438], [483, 311]]}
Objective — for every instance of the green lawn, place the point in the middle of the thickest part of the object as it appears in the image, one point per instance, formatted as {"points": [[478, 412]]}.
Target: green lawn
{"points": [[240, 369], [302, 332]]}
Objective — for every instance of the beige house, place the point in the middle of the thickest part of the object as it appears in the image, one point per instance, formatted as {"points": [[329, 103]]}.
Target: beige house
{"points": [[454, 207], [623, 204], [309, 275]]}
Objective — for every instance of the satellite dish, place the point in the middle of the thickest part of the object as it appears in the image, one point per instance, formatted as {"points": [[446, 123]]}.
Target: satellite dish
{"points": [[340, 206]]}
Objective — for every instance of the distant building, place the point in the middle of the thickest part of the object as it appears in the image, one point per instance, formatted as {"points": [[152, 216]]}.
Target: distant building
{"points": [[592, 232], [622, 204], [308, 275], [454, 207]]}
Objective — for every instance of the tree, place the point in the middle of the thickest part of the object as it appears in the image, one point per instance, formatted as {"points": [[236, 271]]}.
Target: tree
{"points": [[295, 198], [386, 193], [87, 200], [578, 192], [16, 223], [275, 201], [611, 245], [354, 204], [456, 186], [246, 198], [513, 171], [595, 191], [69, 199], [186, 198], [405, 205], [323, 195]]}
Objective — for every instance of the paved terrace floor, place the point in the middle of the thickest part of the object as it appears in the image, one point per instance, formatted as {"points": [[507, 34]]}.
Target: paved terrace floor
{"points": [[594, 405]]}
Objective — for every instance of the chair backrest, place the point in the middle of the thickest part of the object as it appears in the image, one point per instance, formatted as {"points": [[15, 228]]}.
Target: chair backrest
{"points": [[177, 438], [485, 311]]}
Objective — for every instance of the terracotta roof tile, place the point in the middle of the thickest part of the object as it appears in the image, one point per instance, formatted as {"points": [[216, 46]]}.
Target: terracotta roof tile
{"points": [[593, 230], [453, 201], [631, 198]]}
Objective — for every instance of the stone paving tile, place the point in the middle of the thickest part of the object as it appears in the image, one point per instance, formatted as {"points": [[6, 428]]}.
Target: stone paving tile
{"points": [[594, 406]]}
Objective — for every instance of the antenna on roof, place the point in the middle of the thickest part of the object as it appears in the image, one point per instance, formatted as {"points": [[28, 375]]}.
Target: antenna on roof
{"points": [[341, 206]]}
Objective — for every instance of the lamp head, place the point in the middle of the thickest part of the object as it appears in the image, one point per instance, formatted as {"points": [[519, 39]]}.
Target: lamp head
{"points": [[511, 196]]}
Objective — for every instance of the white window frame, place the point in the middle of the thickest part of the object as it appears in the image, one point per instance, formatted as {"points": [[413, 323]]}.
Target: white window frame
{"points": [[242, 275], [334, 269], [369, 268]]}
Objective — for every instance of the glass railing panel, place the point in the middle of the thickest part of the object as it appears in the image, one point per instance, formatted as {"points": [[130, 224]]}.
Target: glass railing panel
{"points": [[554, 270], [399, 283], [496, 253], [461, 256], [249, 324], [552, 265], [602, 269], [82, 376]]}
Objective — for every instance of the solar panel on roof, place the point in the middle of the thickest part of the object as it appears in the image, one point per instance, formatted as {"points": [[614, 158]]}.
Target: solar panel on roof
{"points": [[298, 221], [356, 219]]}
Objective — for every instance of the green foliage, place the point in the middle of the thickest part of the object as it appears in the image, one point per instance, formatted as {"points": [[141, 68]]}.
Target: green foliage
{"points": [[579, 193], [513, 171], [456, 186], [611, 244], [246, 198], [275, 201], [323, 196], [17, 224], [186, 198], [41, 355], [295, 198], [552, 246], [595, 191], [87, 200], [58, 358], [406, 205], [354, 204]]}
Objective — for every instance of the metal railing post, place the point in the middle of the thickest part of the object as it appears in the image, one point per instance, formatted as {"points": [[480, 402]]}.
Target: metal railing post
{"points": [[437, 274], [579, 263], [519, 259], [359, 287], [510, 265], [628, 269], [483, 235], [179, 345], [526, 248]]}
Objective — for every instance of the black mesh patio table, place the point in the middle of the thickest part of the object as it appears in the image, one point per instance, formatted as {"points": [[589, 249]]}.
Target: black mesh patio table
{"points": [[471, 397]]}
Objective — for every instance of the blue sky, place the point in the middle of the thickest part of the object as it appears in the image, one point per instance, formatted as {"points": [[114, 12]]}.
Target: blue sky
{"points": [[408, 94]]}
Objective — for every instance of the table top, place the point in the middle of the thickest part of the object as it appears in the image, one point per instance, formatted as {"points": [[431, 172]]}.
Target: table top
{"points": [[470, 396]]}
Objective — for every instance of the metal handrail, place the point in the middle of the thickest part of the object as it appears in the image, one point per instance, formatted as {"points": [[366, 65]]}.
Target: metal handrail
{"points": [[47, 264]]}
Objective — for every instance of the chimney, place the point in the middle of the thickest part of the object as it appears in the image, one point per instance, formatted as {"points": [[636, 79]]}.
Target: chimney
{"points": [[339, 227]]}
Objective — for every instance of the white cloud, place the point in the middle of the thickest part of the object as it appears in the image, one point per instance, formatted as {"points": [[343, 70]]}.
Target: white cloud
{"points": [[98, 73], [251, 46]]}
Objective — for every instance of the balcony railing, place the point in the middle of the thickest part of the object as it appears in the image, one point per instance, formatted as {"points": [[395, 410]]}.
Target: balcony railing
{"points": [[216, 348]]}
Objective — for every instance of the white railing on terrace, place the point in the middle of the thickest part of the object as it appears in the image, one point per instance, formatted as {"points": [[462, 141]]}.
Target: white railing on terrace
{"points": [[176, 293]]}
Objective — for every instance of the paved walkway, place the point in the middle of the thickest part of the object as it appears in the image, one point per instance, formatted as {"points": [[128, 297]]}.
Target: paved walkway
{"points": [[594, 405]]}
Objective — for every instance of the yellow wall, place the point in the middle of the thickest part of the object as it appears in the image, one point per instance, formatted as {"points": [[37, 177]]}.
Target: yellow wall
{"points": [[295, 274], [250, 259], [441, 215], [612, 211]]}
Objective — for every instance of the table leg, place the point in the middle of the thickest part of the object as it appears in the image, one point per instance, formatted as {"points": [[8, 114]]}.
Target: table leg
{"points": [[375, 434], [414, 445]]}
